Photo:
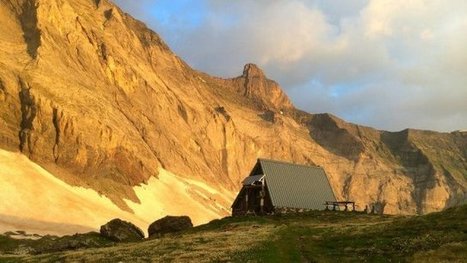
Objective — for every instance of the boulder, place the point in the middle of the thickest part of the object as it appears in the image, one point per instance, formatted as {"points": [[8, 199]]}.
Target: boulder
{"points": [[121, 231], [169, 224]]}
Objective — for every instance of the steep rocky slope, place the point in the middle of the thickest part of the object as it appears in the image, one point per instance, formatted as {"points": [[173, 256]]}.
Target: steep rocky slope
{"points": [[100, 101]]}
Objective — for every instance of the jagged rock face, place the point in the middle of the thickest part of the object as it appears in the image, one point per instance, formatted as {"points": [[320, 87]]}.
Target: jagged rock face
{"points": [[100, 101], [254, 85]]}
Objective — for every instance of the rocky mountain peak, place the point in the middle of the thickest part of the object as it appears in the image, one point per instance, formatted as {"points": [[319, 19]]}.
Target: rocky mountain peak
{"points": [[255, 85], [252, 70]]}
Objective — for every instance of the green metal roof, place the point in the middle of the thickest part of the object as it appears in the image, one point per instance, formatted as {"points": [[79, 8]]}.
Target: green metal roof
{"points": [[296, 186]]}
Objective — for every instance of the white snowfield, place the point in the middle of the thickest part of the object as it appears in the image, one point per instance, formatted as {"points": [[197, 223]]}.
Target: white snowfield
{"points": [[33, 200]]}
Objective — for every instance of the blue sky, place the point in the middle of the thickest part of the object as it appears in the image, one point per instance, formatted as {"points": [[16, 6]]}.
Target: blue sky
{"points": [[382, 63]]}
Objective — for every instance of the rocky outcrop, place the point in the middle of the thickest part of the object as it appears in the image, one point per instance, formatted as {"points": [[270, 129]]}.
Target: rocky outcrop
{"points": [[121, 231], [100, 101], [265, 93], [169, 224]]}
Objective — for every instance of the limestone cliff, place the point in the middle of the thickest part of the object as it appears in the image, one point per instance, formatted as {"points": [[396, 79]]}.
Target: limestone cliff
{"points": [[100, 101]]}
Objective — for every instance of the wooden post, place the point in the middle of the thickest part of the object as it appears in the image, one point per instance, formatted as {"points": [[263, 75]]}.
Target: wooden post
{"points": [[246, 200], [353, 206], [262, 198]]}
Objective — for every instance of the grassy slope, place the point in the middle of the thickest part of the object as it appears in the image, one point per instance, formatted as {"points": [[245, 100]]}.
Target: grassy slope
{"points": [[314, 237], [437, 236]]}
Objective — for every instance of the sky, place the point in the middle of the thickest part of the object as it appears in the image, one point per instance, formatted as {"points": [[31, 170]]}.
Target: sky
{"points": [[388, 64]]}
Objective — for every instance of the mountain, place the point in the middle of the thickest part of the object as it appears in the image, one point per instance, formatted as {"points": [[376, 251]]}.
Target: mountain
{"points": [[100, 102]]}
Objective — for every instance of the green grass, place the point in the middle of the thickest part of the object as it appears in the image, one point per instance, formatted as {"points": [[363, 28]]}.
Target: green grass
{"points": [[309, 237], [373, 239]]}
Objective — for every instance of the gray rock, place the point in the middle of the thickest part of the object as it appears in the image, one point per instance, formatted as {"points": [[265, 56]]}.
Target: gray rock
{"points": [[121, 231], [169, 224]]}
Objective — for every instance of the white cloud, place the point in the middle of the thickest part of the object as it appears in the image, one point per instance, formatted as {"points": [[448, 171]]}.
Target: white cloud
{"points": [[388, 64]]}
